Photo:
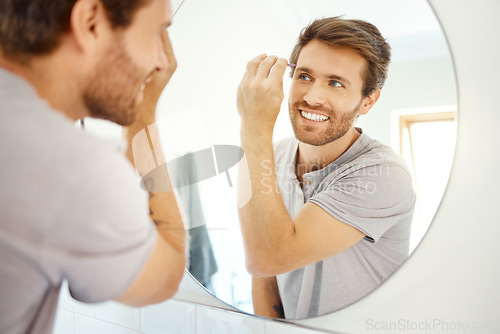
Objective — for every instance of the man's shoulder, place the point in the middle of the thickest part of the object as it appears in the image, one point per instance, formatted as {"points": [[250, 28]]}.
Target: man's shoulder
{"points": [[374, 152], [39, 143]]}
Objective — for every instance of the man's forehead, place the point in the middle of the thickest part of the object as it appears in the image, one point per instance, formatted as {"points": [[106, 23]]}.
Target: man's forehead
{"points": [[155, 12], [328, 60]]}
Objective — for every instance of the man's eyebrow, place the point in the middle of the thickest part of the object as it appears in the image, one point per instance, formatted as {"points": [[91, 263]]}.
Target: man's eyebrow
{"points": [[339, 78], [331, 76], [303, 69]]}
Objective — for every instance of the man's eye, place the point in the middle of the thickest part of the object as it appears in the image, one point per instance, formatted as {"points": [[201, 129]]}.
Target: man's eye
{"points": [[335, 84], [304, 77]]}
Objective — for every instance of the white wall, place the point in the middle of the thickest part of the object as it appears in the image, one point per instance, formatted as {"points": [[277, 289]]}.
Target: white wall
{"points": [[411, 84], [171, 317]]}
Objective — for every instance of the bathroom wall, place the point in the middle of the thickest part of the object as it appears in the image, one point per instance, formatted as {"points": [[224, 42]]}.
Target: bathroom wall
{"points": [[171, 317]]}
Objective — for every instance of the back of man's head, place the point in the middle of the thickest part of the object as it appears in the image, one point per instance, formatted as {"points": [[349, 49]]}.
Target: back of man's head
{"points": [[33, 27], [358, 35]]}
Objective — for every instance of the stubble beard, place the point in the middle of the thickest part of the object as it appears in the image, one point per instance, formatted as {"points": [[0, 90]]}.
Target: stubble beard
{"points": [[113, 87], [339, 123]]}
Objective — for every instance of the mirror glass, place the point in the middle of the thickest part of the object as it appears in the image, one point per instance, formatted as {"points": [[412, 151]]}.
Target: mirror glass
{"points": [[213, 41]]}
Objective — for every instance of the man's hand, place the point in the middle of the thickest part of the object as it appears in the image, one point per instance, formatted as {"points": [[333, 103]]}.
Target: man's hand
{"points": [[164, 268], [146, 112], [260, 93], [159, 80]]}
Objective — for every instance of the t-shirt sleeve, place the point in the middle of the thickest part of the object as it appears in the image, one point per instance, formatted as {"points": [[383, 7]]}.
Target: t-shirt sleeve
{"points": [[104, 234], [370, 198]]}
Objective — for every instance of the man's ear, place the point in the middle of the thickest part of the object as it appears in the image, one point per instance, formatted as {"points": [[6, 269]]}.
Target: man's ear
{"points": [[368, 102], [88, 23]]}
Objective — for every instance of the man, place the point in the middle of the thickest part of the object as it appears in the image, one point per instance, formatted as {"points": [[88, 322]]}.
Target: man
{"points": [[70, 205], [330, 213]]}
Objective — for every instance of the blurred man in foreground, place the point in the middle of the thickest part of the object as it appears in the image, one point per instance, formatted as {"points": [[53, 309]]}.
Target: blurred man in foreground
{"points": [[70, 205]]}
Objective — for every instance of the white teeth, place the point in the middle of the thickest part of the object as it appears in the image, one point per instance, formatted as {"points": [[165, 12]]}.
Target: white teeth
{"points": [[314, 117]]}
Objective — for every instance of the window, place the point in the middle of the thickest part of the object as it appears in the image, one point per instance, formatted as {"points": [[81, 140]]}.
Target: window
{"points": [[426, 141]]}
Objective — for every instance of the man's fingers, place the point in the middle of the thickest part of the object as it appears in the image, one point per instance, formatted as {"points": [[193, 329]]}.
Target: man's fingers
{"points": [[265, 67], [278, 70], [253, 65]]}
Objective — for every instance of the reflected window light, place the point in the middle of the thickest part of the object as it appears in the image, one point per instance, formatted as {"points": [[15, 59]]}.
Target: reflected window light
{"points": [[427, 144]]}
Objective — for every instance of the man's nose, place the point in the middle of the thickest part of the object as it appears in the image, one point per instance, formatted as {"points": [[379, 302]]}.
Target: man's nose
{"points": [[316, 95]]}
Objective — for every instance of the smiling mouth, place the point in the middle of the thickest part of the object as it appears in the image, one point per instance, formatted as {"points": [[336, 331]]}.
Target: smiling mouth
{"points": [[314, 117]]}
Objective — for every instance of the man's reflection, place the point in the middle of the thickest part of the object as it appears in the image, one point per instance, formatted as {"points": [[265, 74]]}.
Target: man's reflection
{"points": [[331, 209]]}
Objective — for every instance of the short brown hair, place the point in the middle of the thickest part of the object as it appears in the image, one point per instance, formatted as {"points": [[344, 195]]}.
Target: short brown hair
{"points": [[33, 27], [358, 35]]}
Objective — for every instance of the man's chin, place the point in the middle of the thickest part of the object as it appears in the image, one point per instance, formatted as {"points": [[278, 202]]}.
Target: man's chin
{"points": [[311, 142], [128, 121], [305, 137], [315, 139], [308, 138]]}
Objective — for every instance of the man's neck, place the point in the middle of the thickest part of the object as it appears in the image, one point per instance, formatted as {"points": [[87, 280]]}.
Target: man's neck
{"points": [[311, 158]]}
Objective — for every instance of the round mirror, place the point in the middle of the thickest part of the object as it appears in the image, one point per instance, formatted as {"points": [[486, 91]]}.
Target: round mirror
{"points": [[213, 41]]}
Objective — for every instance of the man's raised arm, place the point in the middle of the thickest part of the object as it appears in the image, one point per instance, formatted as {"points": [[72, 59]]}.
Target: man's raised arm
{"points": [[274, 242]]}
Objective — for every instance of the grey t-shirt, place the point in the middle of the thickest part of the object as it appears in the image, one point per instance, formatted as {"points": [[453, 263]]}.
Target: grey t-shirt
{"points": [[70, 208], [367, 187]]}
